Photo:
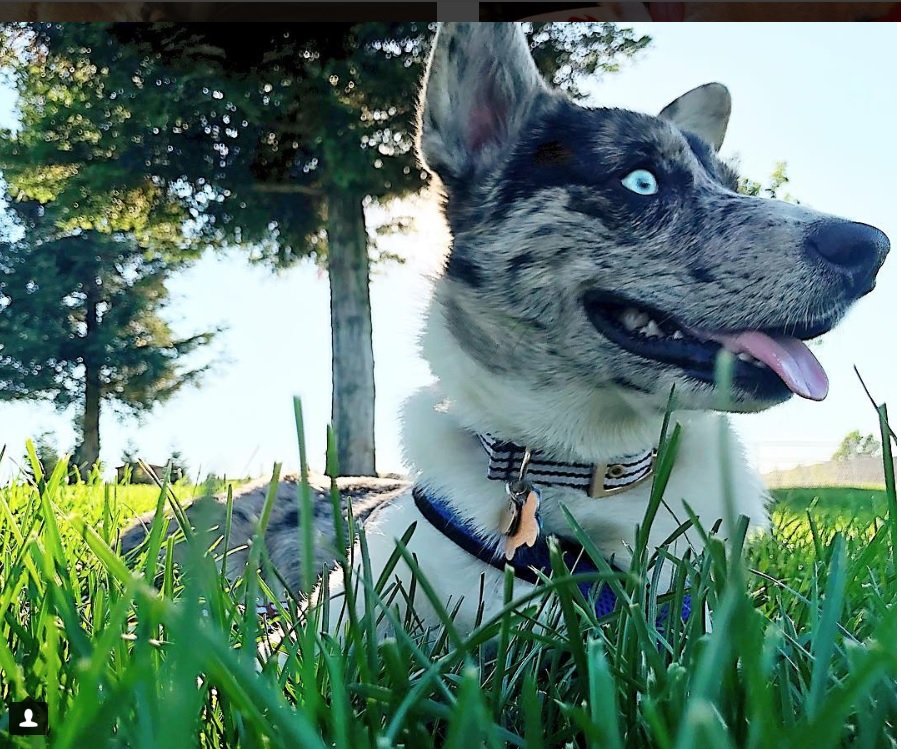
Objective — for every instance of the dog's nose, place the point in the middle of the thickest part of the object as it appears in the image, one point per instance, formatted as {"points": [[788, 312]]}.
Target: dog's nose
{"points": [[856, 250]]}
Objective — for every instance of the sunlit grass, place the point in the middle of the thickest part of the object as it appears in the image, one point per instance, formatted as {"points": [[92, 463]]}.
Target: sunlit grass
{"points": [[802, 652]]}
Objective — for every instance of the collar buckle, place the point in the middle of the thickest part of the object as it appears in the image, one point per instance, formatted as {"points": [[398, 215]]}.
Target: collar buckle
{"points": [[606, 475]]}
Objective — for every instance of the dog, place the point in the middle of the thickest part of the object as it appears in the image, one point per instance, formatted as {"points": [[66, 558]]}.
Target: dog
{"points": [[601, 259]]}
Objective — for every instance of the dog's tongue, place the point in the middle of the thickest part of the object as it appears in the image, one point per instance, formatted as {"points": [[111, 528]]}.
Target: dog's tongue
{"points": [[787, 357], [666, 11]]}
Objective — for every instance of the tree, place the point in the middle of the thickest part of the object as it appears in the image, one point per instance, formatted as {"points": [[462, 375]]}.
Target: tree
{"points": [[129, 455], [80, 324], [273, 139], [178, 466], [47, 452], [774, 188], [856, 445]]}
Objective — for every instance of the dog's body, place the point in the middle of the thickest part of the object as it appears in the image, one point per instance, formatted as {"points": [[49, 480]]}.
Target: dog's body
{"points": [[600, 261]]}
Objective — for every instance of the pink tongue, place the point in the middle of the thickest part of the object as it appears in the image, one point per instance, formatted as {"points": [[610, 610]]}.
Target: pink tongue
{"points": [[787, 357]]}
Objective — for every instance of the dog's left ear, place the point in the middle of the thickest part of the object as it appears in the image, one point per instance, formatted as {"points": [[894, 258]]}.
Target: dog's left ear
{"points": [[480, 86], [704, 111]]}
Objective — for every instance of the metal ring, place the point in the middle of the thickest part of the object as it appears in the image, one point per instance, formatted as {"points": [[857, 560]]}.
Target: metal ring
{"points": [[526, 457]]}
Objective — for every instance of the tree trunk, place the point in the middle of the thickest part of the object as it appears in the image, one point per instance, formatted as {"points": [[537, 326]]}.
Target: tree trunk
{"points": [[353, 375], [88, 452]]}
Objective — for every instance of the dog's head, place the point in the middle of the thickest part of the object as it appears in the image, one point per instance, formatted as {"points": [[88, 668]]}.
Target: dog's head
{"points": [[608, 249]]}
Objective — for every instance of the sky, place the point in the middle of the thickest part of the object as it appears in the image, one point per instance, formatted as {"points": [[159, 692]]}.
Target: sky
{"points": [[822, 97]]}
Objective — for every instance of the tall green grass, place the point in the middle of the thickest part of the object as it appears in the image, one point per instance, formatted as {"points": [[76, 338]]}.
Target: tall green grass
{"points": [[802, 651]]}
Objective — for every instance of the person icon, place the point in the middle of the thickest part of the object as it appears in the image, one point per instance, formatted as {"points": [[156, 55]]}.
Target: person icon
{"points": [[28, 718]]}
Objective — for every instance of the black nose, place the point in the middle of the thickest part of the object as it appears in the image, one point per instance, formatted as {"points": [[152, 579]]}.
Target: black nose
{"points": [[856, 250]]}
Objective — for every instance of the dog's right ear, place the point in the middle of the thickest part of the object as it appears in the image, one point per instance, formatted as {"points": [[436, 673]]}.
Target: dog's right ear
{"points": [[480, 85], [703, 111]]}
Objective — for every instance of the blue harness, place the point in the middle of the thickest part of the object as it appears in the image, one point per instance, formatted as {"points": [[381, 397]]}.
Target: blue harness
{"points": [[528, 561]]}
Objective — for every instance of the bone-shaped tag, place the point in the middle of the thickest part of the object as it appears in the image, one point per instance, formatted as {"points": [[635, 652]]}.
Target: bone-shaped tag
{"points": [[525, 528]]}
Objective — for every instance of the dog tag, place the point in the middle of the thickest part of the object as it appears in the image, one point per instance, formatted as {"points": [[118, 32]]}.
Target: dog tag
{"points": [[526, 526], [517, 491], [508, 517]]}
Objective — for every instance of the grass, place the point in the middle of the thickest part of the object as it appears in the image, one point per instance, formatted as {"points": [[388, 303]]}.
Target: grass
{"points": [[88, 499], [802, 651]]}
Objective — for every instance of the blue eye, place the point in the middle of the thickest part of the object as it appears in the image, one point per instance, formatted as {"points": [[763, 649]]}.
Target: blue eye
{"points": [[641, 182]]}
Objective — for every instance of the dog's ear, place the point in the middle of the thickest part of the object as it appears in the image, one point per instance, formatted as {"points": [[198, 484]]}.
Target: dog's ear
{"points": [[703, 111], [480, 84]]}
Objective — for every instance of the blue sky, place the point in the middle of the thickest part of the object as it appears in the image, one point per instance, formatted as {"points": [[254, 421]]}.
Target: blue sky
{"points": [[820, 96]]}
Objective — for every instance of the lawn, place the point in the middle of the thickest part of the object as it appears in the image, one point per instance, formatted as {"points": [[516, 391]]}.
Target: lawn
{"points": [[802, 652]]}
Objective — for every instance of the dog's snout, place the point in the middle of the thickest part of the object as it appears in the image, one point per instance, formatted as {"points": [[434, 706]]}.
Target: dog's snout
{"points": [[856, 250]]}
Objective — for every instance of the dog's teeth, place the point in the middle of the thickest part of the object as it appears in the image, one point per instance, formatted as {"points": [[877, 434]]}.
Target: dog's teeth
{"points": [[651, 329], [633, 319], [748, 359], [677, 336]]}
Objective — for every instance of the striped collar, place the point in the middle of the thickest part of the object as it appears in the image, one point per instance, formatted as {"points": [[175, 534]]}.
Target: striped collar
{"points": [[599, 481]]}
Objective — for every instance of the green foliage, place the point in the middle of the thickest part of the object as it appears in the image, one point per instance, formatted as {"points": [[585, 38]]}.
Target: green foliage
{"points": [[82, 304], [774, 188], [801, 656], [856, 445], [236, 137], [178, 466], [837, 505]]}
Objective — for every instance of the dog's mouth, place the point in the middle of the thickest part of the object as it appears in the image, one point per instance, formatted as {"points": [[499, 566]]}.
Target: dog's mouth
{"points": [[768, 361]]}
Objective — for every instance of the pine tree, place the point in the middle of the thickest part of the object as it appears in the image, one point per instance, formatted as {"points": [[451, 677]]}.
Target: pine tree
{"points": [[80, 323]]}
